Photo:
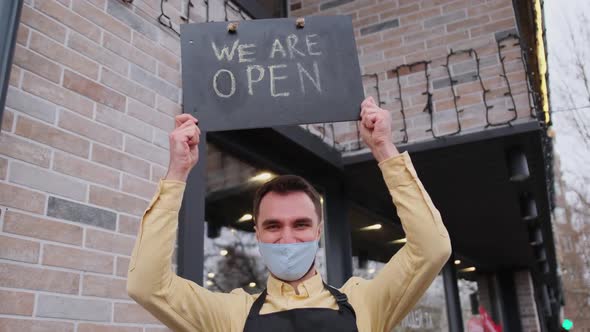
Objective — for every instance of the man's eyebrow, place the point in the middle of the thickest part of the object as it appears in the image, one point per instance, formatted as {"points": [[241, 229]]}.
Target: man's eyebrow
{"points": [[269, 221], [303, 220]]}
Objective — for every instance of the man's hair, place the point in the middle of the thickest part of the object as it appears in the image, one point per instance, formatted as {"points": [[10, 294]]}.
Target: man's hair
{"points": [[285, 184]]}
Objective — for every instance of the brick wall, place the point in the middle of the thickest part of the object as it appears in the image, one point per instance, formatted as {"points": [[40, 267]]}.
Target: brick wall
{"points": [[525, 294], [93, 91], [390, 33]]}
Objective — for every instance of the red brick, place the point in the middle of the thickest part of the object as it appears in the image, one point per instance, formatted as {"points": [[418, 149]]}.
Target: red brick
{"points": [[23, 199], [94, 91], [128, 225], [52, 136], [490, 6], [101, 4], [22, 35], [17, 148], [382, 46], [493, 27], [147, 151], [61, 54], [77, 259], [104, 287], [102, 19], [37, 64], [164, 56], [3, 168], [467, 23], [88, 327], [419, 16], [107, 241], [366, 9], [151, 116], [138, 187], [69, 18], [399, 11], [166, 106], [127, 87], [117, 201], [56, 94], [94, 51], [407, 49], [170, 75], [127, 51], [40, 22], [36, 278], [158, 173], [133, 313], [447, 39], [13, 324], [83, 169], [122, 266], [16, 303], [41, 228], [120, 161], [7, 121], [90, 129], [18, 249], [15, 73]]}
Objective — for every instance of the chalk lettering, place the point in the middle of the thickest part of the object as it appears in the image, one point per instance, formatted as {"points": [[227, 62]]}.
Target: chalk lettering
{"points": [[291, 41], [250, 80], [225, 53], [232, 88], [277, 47], [310, 44], [316, 81], [242, 52], [273, 78]]}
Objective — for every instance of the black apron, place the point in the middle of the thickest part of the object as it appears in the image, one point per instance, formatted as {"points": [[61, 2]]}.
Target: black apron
{"points": [[303, 319]]}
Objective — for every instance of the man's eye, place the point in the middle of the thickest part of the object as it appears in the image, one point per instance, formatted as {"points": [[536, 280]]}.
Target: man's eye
{"points": [[301, 225], [271, 227]]}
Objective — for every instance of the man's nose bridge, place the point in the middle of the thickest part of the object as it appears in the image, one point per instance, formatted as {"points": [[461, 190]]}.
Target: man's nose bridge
{"points": [[287, 235]]}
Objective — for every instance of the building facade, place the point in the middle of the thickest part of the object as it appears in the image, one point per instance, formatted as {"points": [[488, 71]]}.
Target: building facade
{"points": [[92, 93]]}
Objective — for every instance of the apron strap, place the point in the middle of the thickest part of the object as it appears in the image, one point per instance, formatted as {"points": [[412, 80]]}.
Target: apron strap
{"points": [[257, 305], [341, 299]]}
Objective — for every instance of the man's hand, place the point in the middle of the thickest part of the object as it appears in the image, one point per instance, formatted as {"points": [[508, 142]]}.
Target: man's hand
{"points": [[375, 126], [184, 147]]}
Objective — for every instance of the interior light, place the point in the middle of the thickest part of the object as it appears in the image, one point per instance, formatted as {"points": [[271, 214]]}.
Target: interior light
{"points": [[262, 177], [211, 275], [223, 252], [209, 283], [372, 227], [468, 269], [252, 284], [457, 261], [246, 217], [371, 271], [404, 240]]}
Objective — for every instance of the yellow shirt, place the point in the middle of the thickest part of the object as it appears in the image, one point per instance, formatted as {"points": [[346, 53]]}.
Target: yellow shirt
{"points": [[380, 303]]}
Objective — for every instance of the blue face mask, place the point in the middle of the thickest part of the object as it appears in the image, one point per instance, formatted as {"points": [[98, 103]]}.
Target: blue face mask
{"points": [[289, 261]]}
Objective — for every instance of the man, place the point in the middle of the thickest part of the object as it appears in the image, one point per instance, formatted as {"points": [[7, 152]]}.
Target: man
{"points": [[288, 228]]}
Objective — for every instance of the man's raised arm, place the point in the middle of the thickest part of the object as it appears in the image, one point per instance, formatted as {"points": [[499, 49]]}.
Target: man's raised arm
{"points": [[404, 279], [180, 304]]}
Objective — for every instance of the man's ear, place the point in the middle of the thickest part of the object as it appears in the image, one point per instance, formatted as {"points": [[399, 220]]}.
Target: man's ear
{"points": [[256, 231], [320, 229]]}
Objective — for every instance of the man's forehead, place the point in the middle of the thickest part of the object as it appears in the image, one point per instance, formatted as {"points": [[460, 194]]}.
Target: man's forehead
{"points": [[286, 206]]}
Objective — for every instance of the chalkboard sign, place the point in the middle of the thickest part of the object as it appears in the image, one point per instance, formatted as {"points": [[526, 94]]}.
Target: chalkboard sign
{"points": [[270, 72]]}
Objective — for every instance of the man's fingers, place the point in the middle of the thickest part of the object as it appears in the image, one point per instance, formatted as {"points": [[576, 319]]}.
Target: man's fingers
{"points": [[182, 118]]}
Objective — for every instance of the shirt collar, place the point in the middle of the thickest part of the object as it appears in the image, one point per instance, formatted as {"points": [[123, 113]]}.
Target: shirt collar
{"points": [[308, 288]]}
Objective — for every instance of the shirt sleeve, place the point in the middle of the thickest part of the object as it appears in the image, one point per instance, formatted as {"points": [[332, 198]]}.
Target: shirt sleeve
{"points": [[404, 279], [180, 304]]}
